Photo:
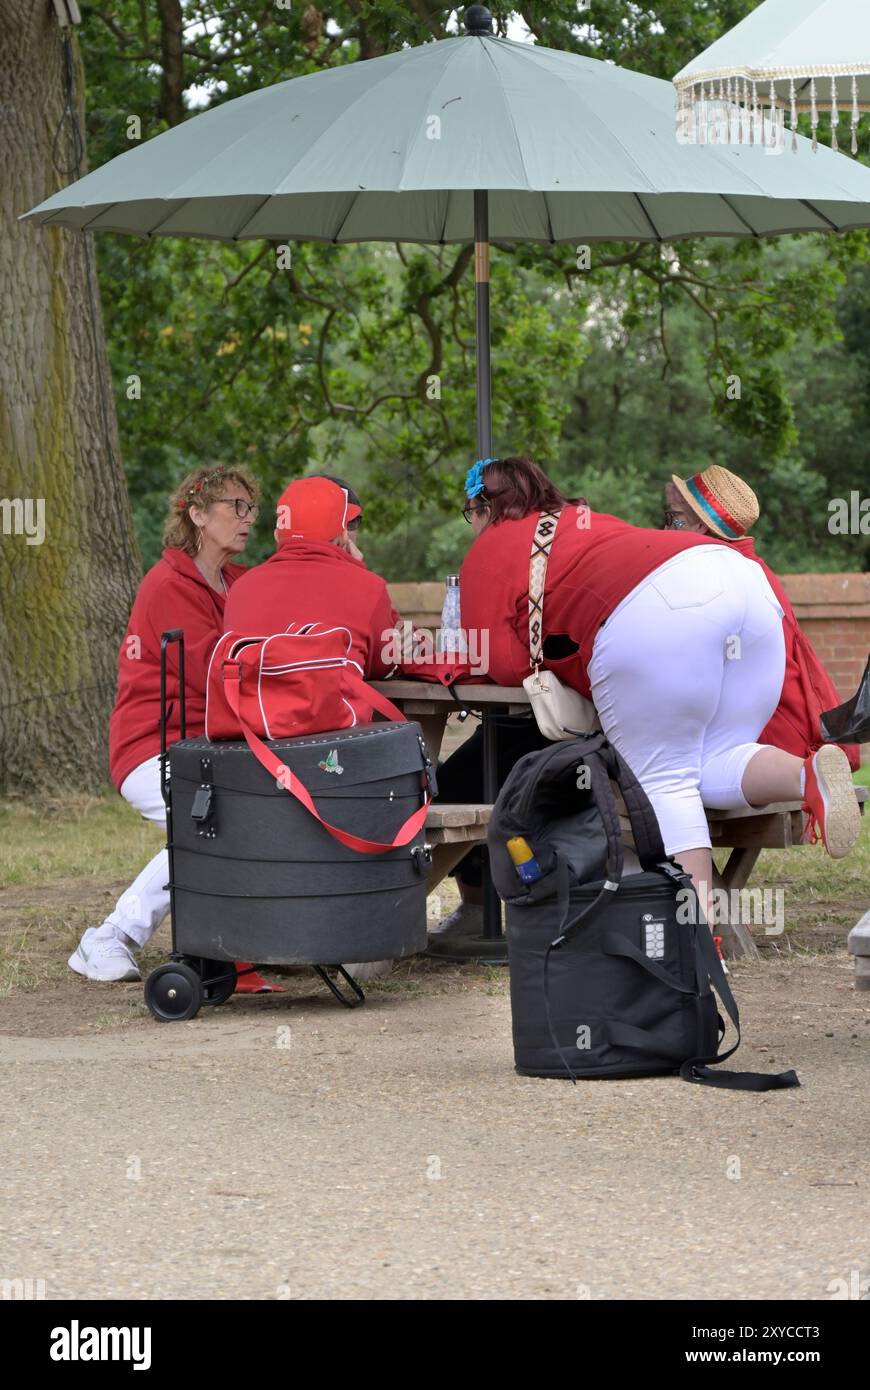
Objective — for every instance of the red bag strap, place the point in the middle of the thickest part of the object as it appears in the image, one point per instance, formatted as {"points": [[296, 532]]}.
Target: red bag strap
{"points": [[297, 788], [374, 697]]}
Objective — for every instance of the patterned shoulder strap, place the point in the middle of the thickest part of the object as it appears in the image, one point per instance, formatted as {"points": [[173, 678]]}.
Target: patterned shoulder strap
{"points": [[542, 542]]}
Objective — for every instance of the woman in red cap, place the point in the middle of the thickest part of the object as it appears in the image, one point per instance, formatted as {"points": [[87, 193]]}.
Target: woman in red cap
{"points": [[676, 637], [210, 516], [317, 575]]}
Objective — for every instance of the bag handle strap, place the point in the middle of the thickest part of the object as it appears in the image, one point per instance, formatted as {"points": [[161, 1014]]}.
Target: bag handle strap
{"points": [[542, 543], [644, 821], [374, 697], [293, 784], [602, 794], [708, 966]]}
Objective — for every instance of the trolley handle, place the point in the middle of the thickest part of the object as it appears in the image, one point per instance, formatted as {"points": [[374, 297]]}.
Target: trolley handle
{"points": [[174, 634]]}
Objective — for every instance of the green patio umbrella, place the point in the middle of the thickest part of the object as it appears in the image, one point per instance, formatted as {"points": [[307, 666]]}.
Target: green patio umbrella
{"points": [[461, 139]]}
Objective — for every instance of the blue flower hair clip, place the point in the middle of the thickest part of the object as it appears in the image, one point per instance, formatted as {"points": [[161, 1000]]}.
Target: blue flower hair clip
{"points": [[474, 483]]}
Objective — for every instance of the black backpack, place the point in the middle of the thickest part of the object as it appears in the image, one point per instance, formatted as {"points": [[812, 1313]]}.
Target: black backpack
{"points": [[609, 976]]}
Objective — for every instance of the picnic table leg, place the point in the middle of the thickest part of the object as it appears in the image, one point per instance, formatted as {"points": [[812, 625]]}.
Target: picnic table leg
{"points": [[490, 948], [738, 867], [736, 936], [432, 727], [444, 858], [491, 901]]}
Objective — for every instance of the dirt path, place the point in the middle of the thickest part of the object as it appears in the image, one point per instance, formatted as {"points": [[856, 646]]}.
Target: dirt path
{"points": [[286, 1148]]}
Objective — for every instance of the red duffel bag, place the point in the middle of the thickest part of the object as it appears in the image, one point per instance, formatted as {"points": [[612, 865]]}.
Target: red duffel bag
{"points": [[292, 683]]}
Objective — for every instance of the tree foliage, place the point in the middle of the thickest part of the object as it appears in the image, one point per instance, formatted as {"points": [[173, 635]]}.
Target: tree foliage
{"points": [[614, 376]]}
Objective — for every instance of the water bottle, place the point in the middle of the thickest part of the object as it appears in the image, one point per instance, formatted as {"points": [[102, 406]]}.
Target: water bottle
{"points": [[523, 859], [452, 637]]}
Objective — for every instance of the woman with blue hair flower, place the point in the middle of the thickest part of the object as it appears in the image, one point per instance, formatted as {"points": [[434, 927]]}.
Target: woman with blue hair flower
{"points": [[675, 636]]}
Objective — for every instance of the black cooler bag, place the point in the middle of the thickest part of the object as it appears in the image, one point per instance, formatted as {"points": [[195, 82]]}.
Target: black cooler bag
{"points": [[610, 976], [255, 876]]}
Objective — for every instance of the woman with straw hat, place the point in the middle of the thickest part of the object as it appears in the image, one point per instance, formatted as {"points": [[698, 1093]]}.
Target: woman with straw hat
{"points": [[678, 639], [719, 503]]}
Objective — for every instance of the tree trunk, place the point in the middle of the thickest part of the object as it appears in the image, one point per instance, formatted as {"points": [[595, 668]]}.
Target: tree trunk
{"points": [[68, 560], [172, 59]]}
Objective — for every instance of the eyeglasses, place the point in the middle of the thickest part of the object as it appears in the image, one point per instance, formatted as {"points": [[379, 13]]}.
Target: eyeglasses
{"points": [[469, 511], [674, 521], [355, 524], [243, 508]]}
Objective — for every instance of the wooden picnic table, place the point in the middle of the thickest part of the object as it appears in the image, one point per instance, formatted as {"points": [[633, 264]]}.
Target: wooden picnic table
{"points": [[453, 829], [429, 703]]}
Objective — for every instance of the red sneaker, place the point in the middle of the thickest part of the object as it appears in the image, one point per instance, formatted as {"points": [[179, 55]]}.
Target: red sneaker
{"points": [[830, 802], [250, 982]]}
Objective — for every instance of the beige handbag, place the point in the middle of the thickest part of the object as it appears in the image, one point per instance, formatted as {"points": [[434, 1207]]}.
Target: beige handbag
{"points": [[561, 712]]}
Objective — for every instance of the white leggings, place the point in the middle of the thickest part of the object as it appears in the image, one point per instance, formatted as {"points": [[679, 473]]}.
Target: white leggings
{"points": [[685, 674], [139, 911]]}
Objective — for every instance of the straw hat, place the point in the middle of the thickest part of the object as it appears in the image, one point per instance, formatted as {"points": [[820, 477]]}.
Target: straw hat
{"points": [[720, 499]]}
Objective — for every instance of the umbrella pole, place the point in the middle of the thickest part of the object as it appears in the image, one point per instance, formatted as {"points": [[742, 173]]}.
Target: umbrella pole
{"points": [[454, 944], [493, 940], [481, 295]]}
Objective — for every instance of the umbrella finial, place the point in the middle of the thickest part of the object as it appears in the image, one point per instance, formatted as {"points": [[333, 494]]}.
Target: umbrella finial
{"points": [[478, 20]]}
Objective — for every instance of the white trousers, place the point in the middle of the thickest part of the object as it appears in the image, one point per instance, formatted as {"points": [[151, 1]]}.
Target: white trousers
{"points": [[685, 674], [139, 912]]}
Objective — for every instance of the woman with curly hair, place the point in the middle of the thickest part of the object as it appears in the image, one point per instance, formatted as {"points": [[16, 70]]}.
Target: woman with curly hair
{"points": [[210, 516]]}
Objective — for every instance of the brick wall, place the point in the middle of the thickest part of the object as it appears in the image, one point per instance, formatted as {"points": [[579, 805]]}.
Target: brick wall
{"points": [[832, 609], [834, 612]]}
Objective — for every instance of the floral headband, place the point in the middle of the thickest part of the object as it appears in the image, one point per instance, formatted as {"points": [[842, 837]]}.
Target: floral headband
{"points": [[474, 483], [193, 492]]}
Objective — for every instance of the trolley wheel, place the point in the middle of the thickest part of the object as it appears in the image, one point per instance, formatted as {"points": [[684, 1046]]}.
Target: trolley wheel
{"points": [[173, 992], [219, 978]]}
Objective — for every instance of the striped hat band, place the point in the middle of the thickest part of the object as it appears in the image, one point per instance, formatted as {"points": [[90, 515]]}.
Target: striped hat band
{"points": [[712, 507]]}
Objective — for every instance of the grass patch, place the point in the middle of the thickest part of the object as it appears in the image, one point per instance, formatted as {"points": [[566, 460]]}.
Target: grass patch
{"points": [[35, 944], [119, 1017], [71, 851], [808, 869], [389, 985], [73, 837]]}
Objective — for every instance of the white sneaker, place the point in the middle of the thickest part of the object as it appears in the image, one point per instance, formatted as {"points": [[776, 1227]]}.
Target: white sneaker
{"points": [[103, 958]]}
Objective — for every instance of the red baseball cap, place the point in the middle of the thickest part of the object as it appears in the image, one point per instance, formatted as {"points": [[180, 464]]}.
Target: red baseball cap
{"points": [[313, 509]]}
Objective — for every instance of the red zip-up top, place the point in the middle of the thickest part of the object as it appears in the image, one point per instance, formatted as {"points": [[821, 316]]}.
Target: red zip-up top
{"points": [[172, 594], [592, 567], [308, 581], [807, 690]]}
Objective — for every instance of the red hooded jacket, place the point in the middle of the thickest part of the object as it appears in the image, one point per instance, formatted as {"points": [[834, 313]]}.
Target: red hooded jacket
{"points": [[172, 594], [308, 581], [591, 569], [807, 690], [595, 561]]}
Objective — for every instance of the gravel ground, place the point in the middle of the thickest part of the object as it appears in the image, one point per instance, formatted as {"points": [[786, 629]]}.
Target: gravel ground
{"points": [[284, 1148]]}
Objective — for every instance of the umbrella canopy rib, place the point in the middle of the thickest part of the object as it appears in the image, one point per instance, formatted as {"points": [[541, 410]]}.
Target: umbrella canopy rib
{"points": [[652, 224], [810, 207], [750, 229], [549, 219], [237, 234], [509, 119]]}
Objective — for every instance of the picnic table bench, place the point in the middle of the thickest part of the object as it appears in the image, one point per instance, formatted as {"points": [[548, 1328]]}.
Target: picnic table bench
{"points": [[452, 830]]}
